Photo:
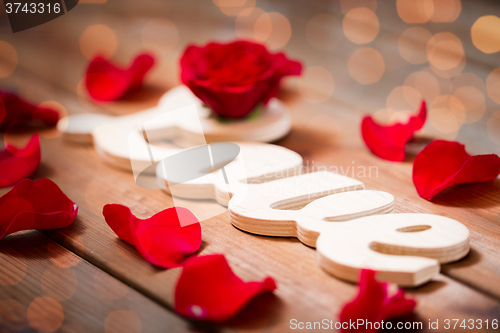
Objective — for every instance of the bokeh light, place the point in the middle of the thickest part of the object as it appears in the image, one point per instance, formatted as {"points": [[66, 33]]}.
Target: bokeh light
{"points": [[470, 89], [16, 139], [273, 29], [61, 257], [425, 83], [361, 25], [493, 127], [415, 11], [323, 32], [366, 65], [446, 55], [404, 98], [468, 79], [8, 59], [45, 314], [234, 7], [12, 316], [316, 84], [103, 280], [245, 22], [400, 117], [446, 10], [59, 283], [447, 114], [485, 33], [159, 35], [263, 27], [100, 40], [347, 5], [450, 73], [493, 85], [412, 45], [14, 266], [122, 321], [383, 115], [473, 101], [445, 51]]}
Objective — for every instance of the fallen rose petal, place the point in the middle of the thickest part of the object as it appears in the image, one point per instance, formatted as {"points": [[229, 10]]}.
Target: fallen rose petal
{"points": [[19, 163], [15, 112], [209, 290], [442, 164], [106, 82], [373, 304], [164, 239], [36, 204], [388, 142]]}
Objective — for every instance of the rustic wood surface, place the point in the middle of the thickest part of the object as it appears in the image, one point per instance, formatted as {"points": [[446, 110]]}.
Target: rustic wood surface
{"points": [[326, 134], [43, 284]]}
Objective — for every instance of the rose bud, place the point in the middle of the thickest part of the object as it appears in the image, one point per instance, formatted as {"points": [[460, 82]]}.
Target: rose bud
{"points": [[234, 78]]}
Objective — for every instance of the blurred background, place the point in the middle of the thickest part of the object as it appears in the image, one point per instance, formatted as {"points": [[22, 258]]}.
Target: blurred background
{"points": [[363, 56]]}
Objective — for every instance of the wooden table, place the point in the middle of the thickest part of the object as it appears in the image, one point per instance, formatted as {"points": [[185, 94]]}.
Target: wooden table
{"points": [[84, 279]]}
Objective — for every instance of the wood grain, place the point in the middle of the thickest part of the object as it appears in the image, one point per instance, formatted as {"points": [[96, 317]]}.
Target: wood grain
{"points": [[304, 290], [44, 286], [325, 134]]}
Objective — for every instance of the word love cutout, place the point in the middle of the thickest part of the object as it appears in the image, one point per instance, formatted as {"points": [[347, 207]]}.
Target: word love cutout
{"points": [[127, 142], [350, 228]]}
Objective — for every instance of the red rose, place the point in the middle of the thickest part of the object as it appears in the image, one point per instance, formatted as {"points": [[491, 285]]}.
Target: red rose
{"points": [[234, 78]]}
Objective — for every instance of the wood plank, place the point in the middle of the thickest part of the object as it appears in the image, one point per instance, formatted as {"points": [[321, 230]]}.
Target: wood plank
{"points": [[325, 133], [305, 292], [315, 148], [45, 287], [476, 206], [68, 71]]}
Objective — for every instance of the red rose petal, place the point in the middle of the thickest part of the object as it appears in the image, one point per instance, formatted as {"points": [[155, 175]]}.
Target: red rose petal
{"points": [[19, 163], [442, 164], [164, 239], [372, 303], [234, 78], [106, 82], [209, 290], [388, 142], [36, 204], [15, 112]]}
